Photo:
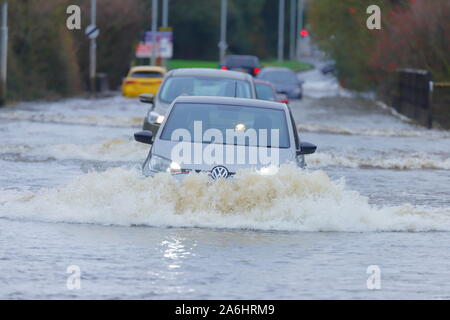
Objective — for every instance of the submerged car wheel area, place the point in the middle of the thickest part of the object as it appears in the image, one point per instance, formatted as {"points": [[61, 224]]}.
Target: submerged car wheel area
{"points": [[220, 135]]}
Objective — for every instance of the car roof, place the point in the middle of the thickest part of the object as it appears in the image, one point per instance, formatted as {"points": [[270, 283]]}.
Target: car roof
{"points": [[241, 56], [148, 68], [243, 102], [208, 72], [259, 81]]}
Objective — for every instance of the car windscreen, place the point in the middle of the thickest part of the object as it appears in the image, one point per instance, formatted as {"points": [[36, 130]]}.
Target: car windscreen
{"points": [[264, 92], [203, 86], [282, 77], [226, 121], [147, 74]]}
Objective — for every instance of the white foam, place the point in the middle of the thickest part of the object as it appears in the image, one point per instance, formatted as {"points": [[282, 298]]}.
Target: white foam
{"points": [[397, 162], [290, 200], [100, 120], [126, 150], [382, 132], [108, 150]]}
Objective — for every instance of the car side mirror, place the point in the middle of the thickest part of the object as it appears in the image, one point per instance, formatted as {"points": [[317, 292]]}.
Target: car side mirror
{"points": [[146, 98], [306, 148], [144, 137]]}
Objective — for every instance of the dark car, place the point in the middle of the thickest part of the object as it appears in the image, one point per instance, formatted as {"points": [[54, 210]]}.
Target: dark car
{"points": [[243, 63], [266, 91], [328, 68], [285, 81], [195, 82]]}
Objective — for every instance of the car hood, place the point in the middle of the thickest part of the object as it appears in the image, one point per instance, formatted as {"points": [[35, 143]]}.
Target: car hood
{"points": [[254, 157]]}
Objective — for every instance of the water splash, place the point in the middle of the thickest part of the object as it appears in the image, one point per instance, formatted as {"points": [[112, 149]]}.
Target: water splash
{"points": [[399, 161], [315, 127], [292, 199]]}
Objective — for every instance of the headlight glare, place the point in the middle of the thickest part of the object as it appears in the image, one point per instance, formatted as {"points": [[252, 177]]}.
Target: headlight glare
{"points": [[155, 117]]}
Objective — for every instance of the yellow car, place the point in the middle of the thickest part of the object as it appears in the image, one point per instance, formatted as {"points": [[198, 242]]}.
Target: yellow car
{"points": [[143, 79]]}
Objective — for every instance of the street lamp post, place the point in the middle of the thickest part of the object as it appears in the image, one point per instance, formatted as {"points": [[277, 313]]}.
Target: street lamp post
{"points": [[223, 30], [165, 14], [299, 27], [165, 23], [292, 33], [154, 26], [3, 52], [93, 49], [280, 30]]}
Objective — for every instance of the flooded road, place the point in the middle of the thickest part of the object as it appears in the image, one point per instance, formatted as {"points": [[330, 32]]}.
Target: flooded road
{"points": [[377, 192]]}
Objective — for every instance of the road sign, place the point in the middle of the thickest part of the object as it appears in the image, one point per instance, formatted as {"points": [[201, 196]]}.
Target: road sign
{"points": [[92, 31], [164, 45], [144, 50], [163, 49], [148, 36]]}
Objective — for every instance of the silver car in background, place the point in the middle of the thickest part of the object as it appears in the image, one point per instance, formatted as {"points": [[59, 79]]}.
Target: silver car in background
{"points": [[195, 82], [222, 116]]}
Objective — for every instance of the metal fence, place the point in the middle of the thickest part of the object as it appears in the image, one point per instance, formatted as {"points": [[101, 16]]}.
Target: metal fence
{"points": [[440, 105], [415, 95]]}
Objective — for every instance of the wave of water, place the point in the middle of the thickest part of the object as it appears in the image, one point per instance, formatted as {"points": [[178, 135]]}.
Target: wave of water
{"points": [[93, 120], [126, 150], [410, 161], [315, 127], [108, 150], [292, 199]]}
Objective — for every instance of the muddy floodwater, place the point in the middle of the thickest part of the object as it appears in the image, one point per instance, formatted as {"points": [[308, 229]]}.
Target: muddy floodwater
{"points": [[376, 193]]}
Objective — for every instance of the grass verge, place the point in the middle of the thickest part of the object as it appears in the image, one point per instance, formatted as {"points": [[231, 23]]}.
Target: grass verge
{"points": [[294, 65]]}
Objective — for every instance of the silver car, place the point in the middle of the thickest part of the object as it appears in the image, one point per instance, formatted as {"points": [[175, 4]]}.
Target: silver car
{"points": [[219, 135], [195, 82]]}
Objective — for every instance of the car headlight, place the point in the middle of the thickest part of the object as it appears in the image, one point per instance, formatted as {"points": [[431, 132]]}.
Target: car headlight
{"points": [[155, 117], [160, 164]]}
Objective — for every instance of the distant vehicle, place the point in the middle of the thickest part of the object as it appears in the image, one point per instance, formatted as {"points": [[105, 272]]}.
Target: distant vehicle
{"points": [[243, 63], [195, 82], [266, 91], [142, 79], [285, 81], [328, 68], [223, 115]]}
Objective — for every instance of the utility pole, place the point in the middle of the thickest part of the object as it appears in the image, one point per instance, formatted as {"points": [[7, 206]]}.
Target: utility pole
{"points": [[292, 32], [154, 26], [93, 49], [299, 27], [165, 23], [165, 13], [280, 30], [223, 30], [3, 52]]}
